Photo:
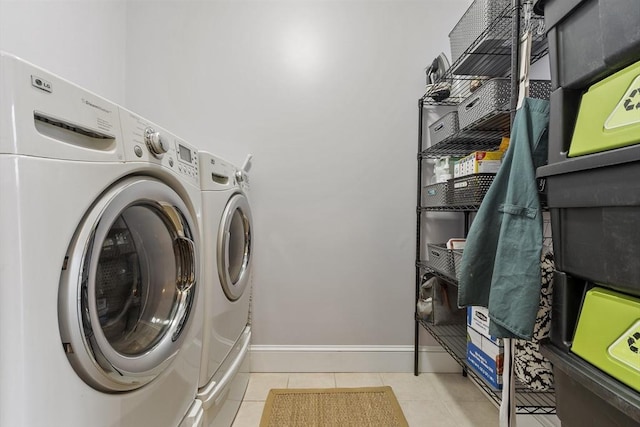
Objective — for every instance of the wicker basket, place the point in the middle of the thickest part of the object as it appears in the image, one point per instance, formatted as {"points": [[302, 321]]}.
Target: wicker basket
{"points": [[469, 190]]}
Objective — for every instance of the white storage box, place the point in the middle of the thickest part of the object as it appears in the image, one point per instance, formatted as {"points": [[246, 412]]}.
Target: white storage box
{"points": [[478, 319], [485, 357]]}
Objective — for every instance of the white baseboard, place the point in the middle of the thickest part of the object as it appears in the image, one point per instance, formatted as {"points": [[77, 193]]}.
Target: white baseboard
{"points": [[392, 358]]}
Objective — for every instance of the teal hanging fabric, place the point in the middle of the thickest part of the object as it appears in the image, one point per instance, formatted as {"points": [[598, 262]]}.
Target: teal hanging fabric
{"points": [[500, 267]]}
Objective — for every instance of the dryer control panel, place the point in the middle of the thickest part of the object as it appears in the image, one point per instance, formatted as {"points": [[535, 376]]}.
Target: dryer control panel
{"points": [[217, 173], [146, 141]]}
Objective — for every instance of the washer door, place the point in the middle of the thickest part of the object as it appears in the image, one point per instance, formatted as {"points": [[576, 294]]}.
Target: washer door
{"points": [[128, 285], [234, 247]]}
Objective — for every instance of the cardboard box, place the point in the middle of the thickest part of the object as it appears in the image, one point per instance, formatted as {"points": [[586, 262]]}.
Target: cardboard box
{"points": [[485, 357], [478, 319], [479, 162], [485, 161]]}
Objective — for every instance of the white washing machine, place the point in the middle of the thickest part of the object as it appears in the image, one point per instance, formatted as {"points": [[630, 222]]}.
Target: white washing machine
{"points": [[101, 310], [228, 243]]}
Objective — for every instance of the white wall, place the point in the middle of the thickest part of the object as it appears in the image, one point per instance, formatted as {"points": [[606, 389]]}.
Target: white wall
{"points": [[82, 41], [324, 94]]}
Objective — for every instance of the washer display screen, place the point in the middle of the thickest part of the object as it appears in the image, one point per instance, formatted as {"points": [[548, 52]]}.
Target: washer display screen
{"points": [[185, 153]]}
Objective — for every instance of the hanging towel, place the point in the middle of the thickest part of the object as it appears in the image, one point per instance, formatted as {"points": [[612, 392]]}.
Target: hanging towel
{"points": [[500, 266]]}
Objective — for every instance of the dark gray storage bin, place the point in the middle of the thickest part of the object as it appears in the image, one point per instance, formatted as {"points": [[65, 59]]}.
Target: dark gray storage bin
{"points": [[586, 396], [590, 39], [444, 127], [568, 294], [564, 104], [595, 216]]}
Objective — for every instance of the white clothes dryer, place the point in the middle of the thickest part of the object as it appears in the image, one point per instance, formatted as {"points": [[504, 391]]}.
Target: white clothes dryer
{"points": [[228, 243], [99, 260]]}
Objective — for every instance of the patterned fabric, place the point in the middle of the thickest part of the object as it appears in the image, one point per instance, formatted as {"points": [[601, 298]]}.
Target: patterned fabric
{"points": [[531, 367]]}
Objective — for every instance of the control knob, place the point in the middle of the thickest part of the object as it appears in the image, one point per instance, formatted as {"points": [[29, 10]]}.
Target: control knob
{"points": [[156, 144]]}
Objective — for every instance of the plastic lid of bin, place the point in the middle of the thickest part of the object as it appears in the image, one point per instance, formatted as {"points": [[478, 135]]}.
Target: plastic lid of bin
{"points": [[555, 11]]}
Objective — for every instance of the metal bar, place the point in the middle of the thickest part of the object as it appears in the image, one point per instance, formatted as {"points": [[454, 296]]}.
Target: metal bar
{"points": [[466, 223], [452, 208], [515, 56], [416, 338]]}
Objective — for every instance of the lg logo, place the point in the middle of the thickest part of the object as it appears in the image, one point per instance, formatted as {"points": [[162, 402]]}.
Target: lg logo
{"points": [[41, 84]]}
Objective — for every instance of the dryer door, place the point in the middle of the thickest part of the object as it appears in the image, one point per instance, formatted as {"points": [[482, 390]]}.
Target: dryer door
{"points": [[128, 285], [234, 246]]}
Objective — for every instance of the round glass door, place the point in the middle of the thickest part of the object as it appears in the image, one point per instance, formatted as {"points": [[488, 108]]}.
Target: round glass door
{"points": [[135, 297], [135, 259], [234, 247]]}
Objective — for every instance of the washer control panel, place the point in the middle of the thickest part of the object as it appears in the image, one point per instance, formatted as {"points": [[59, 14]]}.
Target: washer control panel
{"points": [[187, 159], [145, 141]]}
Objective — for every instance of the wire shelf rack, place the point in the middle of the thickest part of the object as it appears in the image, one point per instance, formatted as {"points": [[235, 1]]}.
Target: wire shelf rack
{"points": [[487, 56], [461, 208], [485, 135], [453, 338], [427, 269]]}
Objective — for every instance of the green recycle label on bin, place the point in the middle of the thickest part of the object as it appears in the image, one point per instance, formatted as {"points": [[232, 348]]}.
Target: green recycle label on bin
{"points": [[627, 112], [626, 348]]}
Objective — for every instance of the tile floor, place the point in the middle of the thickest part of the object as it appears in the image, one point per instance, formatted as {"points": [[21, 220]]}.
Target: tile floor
{"points": [[436, 400]]}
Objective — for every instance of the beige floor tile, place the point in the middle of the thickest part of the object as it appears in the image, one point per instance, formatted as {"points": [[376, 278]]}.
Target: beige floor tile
{"points": [[358, 379], [312, 380], [427, 413], [436, 400], [407, 386], [456, 388], [473, 414], [249, 414], [261, 383]]}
